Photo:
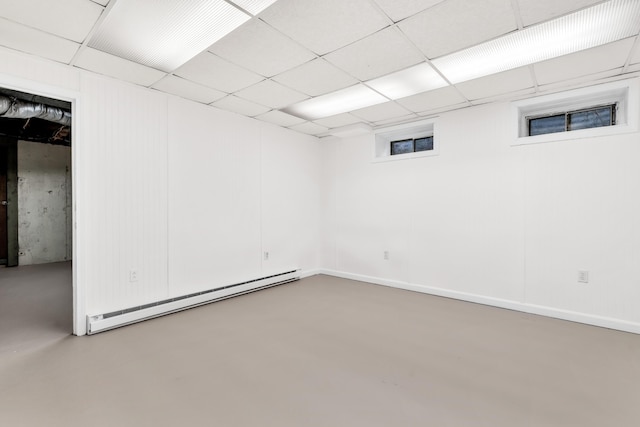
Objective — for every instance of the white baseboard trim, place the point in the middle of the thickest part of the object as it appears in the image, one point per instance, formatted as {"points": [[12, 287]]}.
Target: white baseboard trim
{"points": [[589, 319], [309, 273]]}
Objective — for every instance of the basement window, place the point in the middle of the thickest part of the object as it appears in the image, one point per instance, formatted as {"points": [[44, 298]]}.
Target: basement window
{"points": [[573, 120], [605, 109], [405, 141], [411, 145]]}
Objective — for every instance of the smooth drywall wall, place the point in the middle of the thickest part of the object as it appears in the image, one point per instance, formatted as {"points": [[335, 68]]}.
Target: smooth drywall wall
{"points": [[490, 222], [44, 203]]}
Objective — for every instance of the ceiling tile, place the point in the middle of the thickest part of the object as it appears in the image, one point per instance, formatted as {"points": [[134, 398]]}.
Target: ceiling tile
{"points": [[315, 78], [324, 26], [240, 106], [70, 19], [379, 54], [401, 9], [432, 100], [535, 11], [309, 128], [517, 94], [635, 58], [497, 84], [375, 113], [338, 120], [259, 48], [25, 39], [456, 24], [188, 89], [279, 118], [581, 81], [102, 2], [254, 7], [582, 63], [213, 71], [271, 94], [430, 113], [109, 65], [396, 120]]}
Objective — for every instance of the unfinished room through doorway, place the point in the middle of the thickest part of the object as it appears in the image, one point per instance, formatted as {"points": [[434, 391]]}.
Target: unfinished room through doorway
{"points": [[36, 219]]}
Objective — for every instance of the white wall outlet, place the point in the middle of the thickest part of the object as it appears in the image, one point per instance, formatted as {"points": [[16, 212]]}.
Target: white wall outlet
{"points": [[266, 256], [133, 276], [386, 255], [583, 276]]}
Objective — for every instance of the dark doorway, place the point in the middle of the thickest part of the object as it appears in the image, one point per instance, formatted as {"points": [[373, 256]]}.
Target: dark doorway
{"points": [[8, 202], [35, 141], [36, 217], [3, 205]]}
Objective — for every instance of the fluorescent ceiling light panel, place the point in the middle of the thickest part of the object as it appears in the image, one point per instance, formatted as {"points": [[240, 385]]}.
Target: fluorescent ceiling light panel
{"points": [[164, 34], [595, 26], [416, 79], [254, 6], [341, 101]]}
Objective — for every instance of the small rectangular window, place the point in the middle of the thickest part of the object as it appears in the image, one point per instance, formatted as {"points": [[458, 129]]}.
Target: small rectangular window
{"points": [[402, 147], [587, 118], [405, 146], [549, 124], [593, 118], [424, 144]]}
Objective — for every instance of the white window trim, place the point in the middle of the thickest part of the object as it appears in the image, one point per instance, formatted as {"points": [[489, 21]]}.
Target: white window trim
{"points": [[414, 130], [625, 93]]}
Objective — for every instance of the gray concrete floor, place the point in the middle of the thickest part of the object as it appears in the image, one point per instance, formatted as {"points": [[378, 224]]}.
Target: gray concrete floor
{"points": [[36, 306], [330, 352]]}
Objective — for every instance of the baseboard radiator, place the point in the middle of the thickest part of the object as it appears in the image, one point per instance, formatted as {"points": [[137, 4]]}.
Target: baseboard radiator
{"points": [[115, 319]]}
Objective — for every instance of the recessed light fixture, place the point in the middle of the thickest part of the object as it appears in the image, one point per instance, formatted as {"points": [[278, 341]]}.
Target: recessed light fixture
{"points": [[164, 34], [591, 27], [413, 80], [341, 101]]}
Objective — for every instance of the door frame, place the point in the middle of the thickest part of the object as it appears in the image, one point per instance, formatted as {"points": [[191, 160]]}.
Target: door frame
{"points": [[77, 185]]}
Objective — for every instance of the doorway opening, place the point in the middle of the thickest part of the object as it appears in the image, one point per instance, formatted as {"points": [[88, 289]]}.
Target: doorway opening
{"points": [[36, 209]]}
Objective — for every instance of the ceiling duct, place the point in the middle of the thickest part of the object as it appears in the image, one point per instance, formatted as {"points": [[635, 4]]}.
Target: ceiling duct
{"points": [[16, 109]]}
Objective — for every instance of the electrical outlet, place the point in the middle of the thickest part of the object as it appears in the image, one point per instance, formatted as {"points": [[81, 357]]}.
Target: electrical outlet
{"points": [[386, 255], [583, 276], [133, 276]]}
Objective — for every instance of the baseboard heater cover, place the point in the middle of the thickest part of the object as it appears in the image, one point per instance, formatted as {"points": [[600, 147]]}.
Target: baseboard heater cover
{"points": [[115, 319]]}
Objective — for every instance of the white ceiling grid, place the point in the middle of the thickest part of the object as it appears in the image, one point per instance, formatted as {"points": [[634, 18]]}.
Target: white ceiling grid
{"points": [[601, 58], [188, 89], [240, 106], [213, 71], [36, 42], [315, 78], [497, 84], [298, 50], [325, 26], [369, 58]]}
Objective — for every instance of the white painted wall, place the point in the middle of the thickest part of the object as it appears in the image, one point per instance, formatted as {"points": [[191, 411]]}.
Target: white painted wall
{"points": [[490, 222], [44, 203], [188, 196]]}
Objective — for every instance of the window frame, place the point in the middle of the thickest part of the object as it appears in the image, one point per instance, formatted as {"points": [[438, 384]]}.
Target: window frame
{"points": [[383, 138], [567, 118], [624, 94], [413, 144]]}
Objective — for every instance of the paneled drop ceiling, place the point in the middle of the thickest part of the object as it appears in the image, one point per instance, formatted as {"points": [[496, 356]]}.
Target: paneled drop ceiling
{"points": [[296, 50]]}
